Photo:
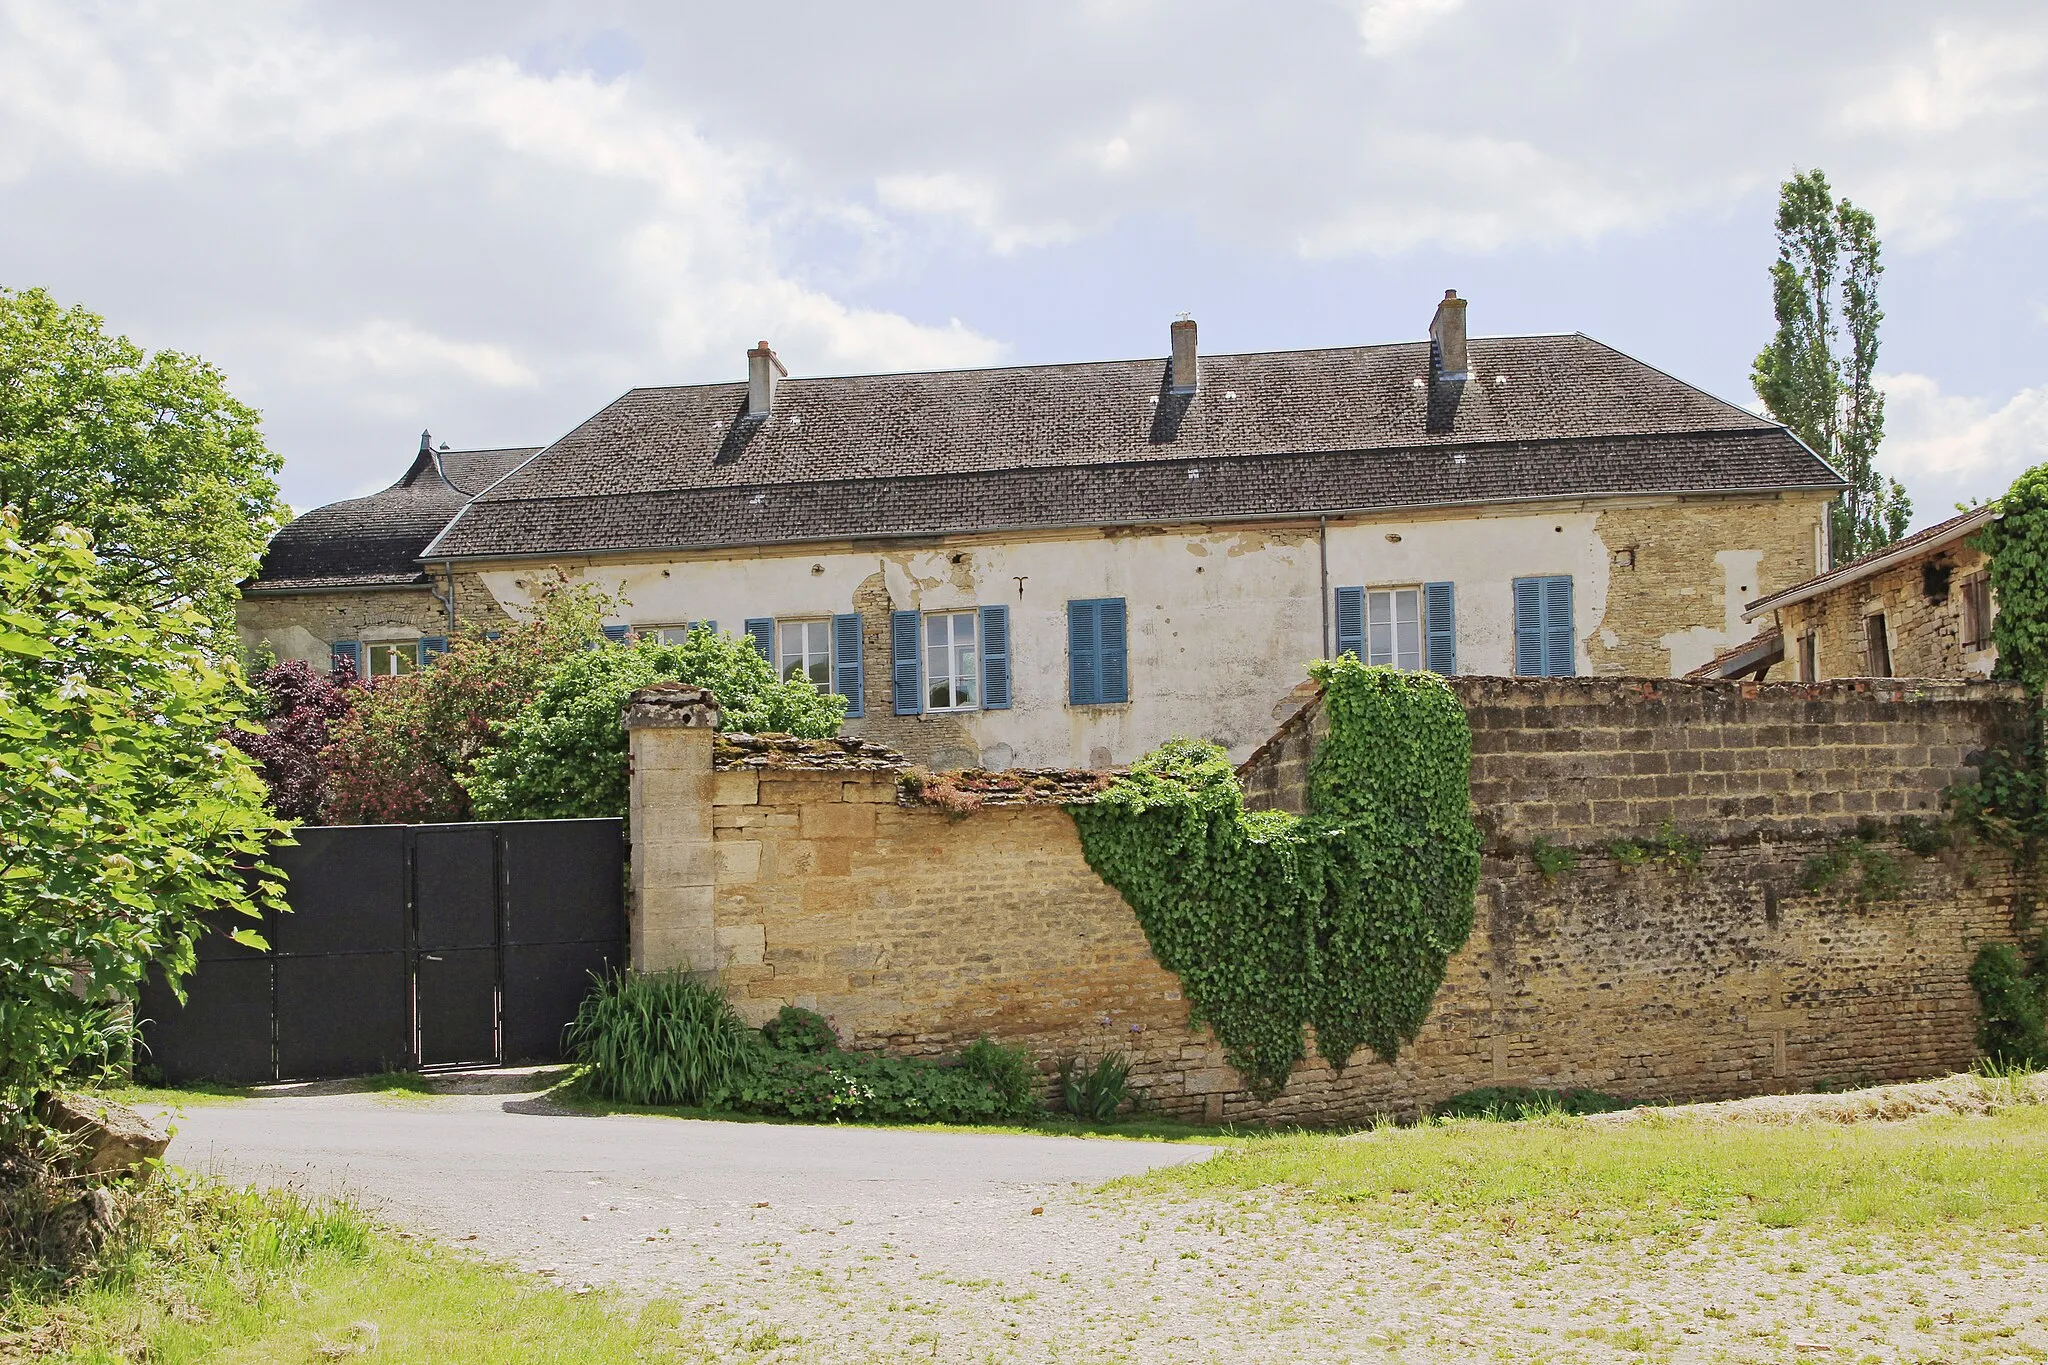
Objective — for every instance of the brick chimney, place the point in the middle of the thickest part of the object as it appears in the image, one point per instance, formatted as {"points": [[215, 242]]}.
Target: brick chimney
{"points": [[763, 369], [1447, 339], [1184, 361]]}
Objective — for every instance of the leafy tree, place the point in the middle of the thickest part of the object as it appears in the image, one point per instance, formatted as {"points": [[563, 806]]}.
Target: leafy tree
{"points": [[299, 707], [149, 453], [407, 744], [127, 816], [1825, 279], [565, 756]]}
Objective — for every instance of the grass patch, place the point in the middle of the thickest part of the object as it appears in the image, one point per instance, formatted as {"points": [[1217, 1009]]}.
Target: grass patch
{"points": [[184, 1095], [230, 1276], [1988, 1171]]}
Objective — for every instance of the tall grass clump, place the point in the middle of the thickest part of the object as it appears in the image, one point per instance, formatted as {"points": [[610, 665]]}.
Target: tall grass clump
{"points": [[659, 1038]]}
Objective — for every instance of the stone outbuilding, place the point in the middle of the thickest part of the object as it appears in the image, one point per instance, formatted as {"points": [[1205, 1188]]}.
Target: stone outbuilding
{"points": [[1920, 608]]}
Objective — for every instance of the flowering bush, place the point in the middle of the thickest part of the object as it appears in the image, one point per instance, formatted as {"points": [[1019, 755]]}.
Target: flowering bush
{"points": [[564, 757], [402, 751], [298, 707]]}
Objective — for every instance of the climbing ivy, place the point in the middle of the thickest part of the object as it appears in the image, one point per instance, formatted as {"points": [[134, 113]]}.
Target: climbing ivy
{"points": [[1342, 919], [2016, 540]]}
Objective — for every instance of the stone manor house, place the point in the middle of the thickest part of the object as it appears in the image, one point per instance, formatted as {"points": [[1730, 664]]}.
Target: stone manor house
{"points": [[1064, 565]]}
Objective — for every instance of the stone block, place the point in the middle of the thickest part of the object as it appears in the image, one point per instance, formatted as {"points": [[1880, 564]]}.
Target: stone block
{"points": [[736, 789], [739, 860], [837, 821], [740, 945]]}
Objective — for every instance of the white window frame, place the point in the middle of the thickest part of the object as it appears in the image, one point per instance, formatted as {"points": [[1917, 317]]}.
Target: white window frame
{"points": [[951, 663], [813, 664], [405, 652], [1383, 610]]}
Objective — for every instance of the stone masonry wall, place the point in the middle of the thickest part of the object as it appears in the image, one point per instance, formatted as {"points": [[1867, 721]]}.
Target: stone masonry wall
{"points": [[303, 625], [1923, 620], [920, 929]]}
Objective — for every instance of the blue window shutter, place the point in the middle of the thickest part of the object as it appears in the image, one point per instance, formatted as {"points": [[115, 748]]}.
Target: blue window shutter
{"points": [[848, 679], [617, 634], [1559, 640], [1084, 675], [494, 634], [432, 647], [995, 658], [1116, 683], [905, 676], [1351, 621], [711, 626], [348, 652], [1440, 628], [762, 628], [1529, 627]]}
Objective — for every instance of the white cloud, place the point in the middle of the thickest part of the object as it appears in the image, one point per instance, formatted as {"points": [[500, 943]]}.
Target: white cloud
{"points": [[386, 348], [1949, 448], [975, 203], [1388, 26]]}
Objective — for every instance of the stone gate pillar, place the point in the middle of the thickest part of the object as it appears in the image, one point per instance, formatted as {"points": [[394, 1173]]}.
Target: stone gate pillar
{"points": [[668, 735]]}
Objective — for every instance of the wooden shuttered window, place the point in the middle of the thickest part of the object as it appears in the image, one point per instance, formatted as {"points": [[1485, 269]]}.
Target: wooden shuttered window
{"points": [[848, 675], [905, 674], [761, 630], [995, 658], [1545, 643], [1351, 622], [348, 652], [1440, 628], [432, 647], [1098, 663]]}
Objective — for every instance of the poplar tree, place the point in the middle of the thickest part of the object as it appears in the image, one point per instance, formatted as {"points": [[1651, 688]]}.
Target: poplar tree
{"points": [[1824, 283]]}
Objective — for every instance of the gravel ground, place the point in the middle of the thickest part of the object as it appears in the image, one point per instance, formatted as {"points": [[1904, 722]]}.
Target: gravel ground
{"points": [[849, 1244]]}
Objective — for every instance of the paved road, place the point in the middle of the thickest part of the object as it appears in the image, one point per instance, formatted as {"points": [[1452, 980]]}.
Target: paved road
{"points": [[454, 1163]]}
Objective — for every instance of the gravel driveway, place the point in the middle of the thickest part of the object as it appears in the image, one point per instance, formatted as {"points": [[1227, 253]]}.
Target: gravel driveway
{"points": [[851, 1244]]}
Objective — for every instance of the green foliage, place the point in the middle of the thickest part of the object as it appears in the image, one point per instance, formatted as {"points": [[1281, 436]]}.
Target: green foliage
{"points": [[1828, 265], [402, 748], [1627, 853], [1679, 850], [2012, 999], [1925, 838], [659, 1038], [800, 1030], [2016, 539], [1095, 1093], [564, 756], [1511, 1102], [1878, 874], [1342, 919], [150, 454], [126, 815], [670, 1039], [1552, 860]]}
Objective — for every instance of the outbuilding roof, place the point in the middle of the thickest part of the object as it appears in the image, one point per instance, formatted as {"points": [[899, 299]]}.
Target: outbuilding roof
{"points": [[375, 542], [1922, 542], [1347, 429]]}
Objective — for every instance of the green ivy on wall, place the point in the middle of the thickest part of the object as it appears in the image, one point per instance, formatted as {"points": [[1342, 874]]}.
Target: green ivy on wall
{"points": [[2016, 540], [1342, 919]]}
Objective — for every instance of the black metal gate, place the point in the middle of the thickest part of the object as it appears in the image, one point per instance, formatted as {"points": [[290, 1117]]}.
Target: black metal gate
{"points": [[406, 946]]}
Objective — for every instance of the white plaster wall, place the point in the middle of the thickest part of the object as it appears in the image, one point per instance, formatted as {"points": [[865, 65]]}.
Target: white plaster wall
{"points": [[1219, 625], [1220, 622], [1482, 555]]}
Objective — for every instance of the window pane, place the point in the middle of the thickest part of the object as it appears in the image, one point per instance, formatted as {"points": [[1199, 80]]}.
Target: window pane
{"points": [[1408, 629], [964, 675], [935, 630], [821, 673]]}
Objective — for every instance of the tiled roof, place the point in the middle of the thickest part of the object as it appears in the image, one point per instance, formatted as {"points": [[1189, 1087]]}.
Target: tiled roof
{"points": [[1925, 541], [1276, 433], [374, 542]]}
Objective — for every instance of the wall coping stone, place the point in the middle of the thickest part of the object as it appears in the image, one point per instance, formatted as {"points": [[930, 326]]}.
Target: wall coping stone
{"points": [[670, 706], [841, 753]]}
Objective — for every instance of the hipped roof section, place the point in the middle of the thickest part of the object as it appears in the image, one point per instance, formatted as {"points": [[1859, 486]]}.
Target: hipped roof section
{"points": [[1107, 443]]}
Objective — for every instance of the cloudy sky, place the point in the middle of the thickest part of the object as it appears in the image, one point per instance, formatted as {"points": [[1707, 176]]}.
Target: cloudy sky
{"points": [[491, 218]]}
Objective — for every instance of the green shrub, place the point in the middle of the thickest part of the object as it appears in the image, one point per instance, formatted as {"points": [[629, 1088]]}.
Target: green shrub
{"points": [[1552, 860], [800, 1030], [564, 756], [659, 1038], [1510, 1102], [1095, 1093], [2012, 996], [670, 1039]]}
